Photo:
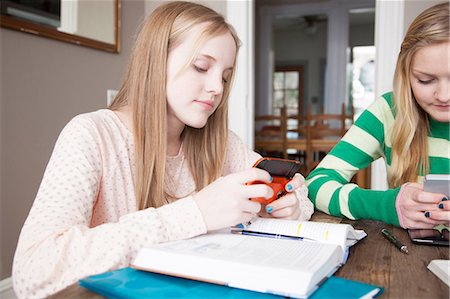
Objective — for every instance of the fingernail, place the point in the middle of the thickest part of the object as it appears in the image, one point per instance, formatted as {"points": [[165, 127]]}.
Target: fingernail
{"points": [[441, 206], [444, 198], [427, 214], [289, 187], [269, 209]]}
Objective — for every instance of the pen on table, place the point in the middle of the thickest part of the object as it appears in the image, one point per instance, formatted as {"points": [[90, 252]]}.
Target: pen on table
{"points": [[402, 247], [268, 235]]}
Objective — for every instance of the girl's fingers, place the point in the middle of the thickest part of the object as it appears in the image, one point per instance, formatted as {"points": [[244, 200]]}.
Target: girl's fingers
{"points": [[249, 206], [427, 197], [250, 175], [415, 186], [424, 207], [286, 207], [439, 215], [288, 200], [420, 225], [297, 181], [423, 217], [257, 190], [444, 205]]}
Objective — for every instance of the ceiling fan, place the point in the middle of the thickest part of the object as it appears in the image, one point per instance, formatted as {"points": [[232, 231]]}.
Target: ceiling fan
{"points": [[308, 22]]}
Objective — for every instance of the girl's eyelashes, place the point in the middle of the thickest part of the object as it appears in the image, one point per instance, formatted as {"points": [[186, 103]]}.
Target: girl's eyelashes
{"points": [[200, 69], [425, 82]]}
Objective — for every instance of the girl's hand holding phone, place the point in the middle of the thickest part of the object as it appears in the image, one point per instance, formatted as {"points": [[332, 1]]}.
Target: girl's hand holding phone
{"points": [[419, 209], [225, 202], [287, 206]]}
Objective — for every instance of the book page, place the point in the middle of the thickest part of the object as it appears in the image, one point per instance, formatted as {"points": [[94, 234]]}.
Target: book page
{"points": [[340, 234], [281, 266], [269, 252], [255, 250]]}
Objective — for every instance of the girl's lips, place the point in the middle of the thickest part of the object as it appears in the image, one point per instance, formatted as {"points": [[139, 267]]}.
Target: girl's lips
{"points": [[442, 107], [207, 105]]}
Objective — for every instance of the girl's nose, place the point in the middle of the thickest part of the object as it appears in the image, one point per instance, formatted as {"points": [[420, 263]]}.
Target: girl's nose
{"points": [[214, 84], [442, 92]]}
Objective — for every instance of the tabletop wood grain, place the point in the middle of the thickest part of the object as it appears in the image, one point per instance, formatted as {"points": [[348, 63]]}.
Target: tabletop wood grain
{"points": [[372, 260], [377, 261]]}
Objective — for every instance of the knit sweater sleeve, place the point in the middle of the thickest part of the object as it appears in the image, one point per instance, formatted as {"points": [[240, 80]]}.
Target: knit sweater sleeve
{"points": [[58, 246], [329, 184]]}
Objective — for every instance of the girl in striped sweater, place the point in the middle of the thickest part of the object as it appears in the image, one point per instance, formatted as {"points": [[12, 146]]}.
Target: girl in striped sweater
{"points": [[409, 128]]}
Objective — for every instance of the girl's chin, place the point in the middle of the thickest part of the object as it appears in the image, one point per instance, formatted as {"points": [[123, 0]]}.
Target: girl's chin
{"points": [[197, 125], [443, 117]]}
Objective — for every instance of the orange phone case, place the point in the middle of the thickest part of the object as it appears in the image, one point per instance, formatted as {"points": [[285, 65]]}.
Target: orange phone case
{"points": [[281, 170]]}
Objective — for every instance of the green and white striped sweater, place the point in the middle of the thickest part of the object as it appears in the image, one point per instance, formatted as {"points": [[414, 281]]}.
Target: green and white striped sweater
{"points": [[367, 140]]}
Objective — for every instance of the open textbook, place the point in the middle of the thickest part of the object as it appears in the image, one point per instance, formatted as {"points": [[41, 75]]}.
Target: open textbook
{"points": [[290, 267], [343, 235]]}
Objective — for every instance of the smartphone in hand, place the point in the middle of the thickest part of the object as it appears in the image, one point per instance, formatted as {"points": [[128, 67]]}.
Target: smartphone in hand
{"points": [[281, 170], [433, 183], [437, 183]]}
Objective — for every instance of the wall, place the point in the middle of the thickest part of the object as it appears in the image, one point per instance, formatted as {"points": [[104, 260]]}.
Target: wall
{"points": [[218, 5], [294, 46], [44, 83], [413, 8]]}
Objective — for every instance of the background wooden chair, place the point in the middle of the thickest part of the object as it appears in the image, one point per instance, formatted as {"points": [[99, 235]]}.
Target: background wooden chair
{"points": [[323, 132], [315, 136], [296, 139], [271, 134]]}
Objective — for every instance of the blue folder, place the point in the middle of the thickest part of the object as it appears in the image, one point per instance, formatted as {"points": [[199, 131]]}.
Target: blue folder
{"points": [[131, 283]]}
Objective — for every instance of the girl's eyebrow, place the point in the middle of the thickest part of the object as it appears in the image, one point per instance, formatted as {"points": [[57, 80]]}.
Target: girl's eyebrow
{"points": [[422, 72], [207, 56]]}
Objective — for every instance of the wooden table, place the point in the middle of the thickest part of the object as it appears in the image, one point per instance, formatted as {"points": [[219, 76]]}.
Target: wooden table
{"points": [[372, 260], [377, 261]]}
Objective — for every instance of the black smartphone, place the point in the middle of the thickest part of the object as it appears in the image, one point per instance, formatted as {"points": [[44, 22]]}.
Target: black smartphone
{"points": [[279, 167], [281, 170], [429, 236]]}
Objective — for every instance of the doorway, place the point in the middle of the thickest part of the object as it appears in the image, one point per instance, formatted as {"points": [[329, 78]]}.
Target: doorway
{"points": [[326, 81]]}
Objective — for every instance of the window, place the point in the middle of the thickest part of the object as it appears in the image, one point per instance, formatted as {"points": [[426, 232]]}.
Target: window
{"points": [[288, 90], [362, 78]]}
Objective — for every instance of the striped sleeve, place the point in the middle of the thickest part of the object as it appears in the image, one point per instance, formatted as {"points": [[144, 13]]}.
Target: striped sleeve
{"points": [[329, 184]]}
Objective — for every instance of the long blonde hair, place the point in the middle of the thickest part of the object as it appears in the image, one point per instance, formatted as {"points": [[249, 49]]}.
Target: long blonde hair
{"points": [[144, 89], [410, 130]]}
